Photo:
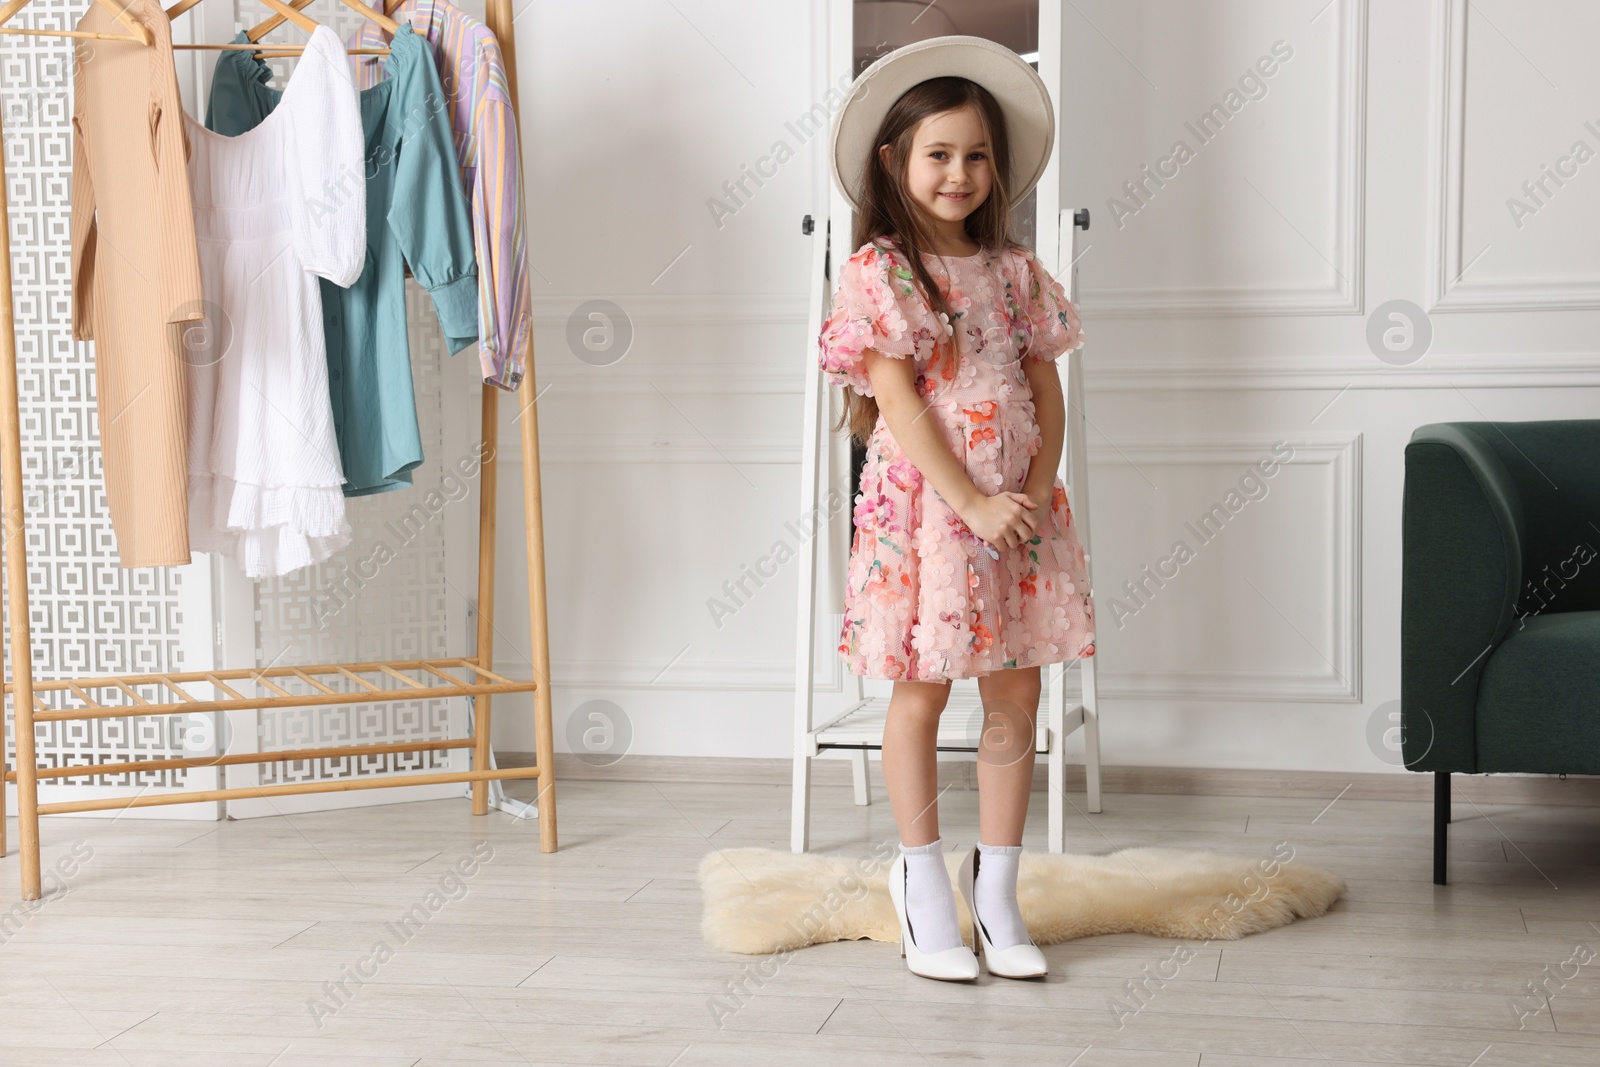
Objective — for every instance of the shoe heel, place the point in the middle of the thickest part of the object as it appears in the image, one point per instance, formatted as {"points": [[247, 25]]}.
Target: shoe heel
{"points": [[1018, 961], [952, 964]]}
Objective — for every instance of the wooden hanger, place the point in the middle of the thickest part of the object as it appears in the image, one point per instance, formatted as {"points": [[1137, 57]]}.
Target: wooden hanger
{"points": [[272, 22], [136, 30], [290, 12], [379, 17], [305, 22]]}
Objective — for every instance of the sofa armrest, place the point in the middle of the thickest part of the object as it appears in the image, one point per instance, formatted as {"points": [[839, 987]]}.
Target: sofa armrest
{"points": [[1461, 569]]}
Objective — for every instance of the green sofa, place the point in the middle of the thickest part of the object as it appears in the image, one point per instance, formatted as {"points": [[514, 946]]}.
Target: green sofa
{"points": [[1500, 603]]}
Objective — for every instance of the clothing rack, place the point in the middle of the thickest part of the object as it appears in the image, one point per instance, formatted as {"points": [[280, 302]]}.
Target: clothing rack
{"points": [[457, 676]]}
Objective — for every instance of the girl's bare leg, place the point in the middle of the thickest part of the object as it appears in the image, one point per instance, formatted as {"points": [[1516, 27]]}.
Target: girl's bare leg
{"points": [[1005, 753], [1005, 779], [909, 770]]}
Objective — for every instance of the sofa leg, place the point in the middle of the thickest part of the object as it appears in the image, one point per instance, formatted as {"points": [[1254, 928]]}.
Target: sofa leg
{"points": [[1441, 824]]}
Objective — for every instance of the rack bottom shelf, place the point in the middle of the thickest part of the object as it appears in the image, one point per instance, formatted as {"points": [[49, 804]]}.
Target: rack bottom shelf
{"points": [[240, 793]]}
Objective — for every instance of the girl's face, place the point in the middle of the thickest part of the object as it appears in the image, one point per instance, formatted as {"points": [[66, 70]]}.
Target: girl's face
{"points": [[949, 172]]}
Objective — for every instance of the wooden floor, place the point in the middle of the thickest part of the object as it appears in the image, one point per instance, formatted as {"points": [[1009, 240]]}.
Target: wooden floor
{"points": [[225, 943]]}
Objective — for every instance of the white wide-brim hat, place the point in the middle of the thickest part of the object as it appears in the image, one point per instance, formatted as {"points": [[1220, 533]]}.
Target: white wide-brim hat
{"points": [[1030, 118]]}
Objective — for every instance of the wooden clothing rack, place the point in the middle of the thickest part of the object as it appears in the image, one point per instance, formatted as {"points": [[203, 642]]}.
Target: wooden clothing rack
{"points": [[358, 683]]}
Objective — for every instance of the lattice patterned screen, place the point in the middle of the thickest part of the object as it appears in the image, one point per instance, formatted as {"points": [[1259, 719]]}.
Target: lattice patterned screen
{"points": [[89, 616]]}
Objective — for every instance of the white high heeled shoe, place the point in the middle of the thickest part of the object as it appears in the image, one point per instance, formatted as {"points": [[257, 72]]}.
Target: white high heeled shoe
{"points": [[950, 965], [1016, 961]]}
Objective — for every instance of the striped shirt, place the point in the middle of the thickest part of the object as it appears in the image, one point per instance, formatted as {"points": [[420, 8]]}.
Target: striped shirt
{"points": [[484, 126]]}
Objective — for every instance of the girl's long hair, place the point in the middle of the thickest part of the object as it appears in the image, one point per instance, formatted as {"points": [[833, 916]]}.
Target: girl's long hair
{"points": [[887, 209]]}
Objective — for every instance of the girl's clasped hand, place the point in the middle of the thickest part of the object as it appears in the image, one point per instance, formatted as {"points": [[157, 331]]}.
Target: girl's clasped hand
{"points": [[1006, 519]]}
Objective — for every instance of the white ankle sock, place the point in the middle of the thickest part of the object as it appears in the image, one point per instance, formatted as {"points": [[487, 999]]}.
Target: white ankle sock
{"points": [[930, 898], [995, 894]]}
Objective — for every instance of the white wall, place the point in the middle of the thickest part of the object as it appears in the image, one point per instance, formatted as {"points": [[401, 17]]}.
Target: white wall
{"points": [[1230, 312], [666, 471]]}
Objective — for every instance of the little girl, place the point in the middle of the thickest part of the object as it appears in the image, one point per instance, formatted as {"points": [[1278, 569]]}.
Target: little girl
{"points": [[965, 562]]}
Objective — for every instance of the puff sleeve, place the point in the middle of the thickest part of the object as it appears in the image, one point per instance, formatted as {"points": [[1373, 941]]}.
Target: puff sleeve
{"points": [[1049, 319], [330, 221], [877, 306]]}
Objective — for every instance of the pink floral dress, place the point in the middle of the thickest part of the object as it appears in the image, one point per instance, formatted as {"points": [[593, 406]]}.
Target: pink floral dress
{"points": [[926, 599]]}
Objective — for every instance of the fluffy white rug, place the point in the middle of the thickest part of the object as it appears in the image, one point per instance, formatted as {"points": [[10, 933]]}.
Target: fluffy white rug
{"points": [[760, 900]]}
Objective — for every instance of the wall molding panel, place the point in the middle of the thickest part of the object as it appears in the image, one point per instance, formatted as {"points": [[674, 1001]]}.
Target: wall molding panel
{"points": [[1340, 569], [1451, 285], [1345, 291]]}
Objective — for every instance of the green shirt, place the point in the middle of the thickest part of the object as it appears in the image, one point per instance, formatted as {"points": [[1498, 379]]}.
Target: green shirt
{"points": [[417, 216]]}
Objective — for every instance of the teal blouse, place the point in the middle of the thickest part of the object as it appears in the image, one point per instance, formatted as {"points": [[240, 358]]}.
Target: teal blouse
{"points": [[417, 216]]}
